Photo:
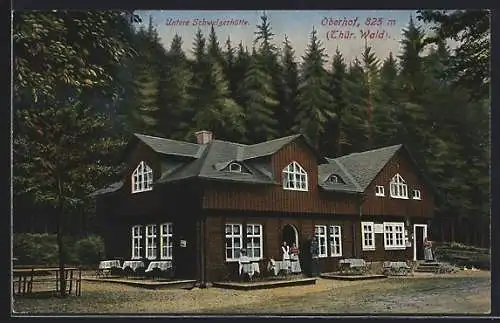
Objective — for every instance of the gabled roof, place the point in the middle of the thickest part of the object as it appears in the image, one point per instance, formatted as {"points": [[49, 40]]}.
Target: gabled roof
{"points": [[219, 152], [209, 161], [365, 166]]}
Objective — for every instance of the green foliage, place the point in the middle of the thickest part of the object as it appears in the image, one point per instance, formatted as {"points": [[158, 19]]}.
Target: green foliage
{"points": [[315, 100], [103, 80], [354, 117], [89, 250], [258, 99], [470, 63], [79, 43], [31, 249], [41, 250]]}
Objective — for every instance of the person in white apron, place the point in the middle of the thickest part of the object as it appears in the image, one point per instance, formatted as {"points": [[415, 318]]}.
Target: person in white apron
{"points": [[428, 257], [285, 249]]}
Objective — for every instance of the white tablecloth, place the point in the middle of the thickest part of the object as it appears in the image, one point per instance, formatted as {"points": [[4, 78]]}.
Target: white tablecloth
{"points": [[396, 265], [295, 266], [353, 263], [277, 266], [134, 264], [163, 265], [108, 264]]}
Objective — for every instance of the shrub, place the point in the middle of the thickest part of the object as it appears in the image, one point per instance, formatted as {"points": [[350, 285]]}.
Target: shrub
{"points": [[41, 249], [89, 250], [35, 249]]}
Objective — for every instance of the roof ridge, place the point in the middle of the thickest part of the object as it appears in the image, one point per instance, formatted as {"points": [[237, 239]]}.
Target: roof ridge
{"points": [[230, 142], [369, 151], [168, 139], [281, 138]]}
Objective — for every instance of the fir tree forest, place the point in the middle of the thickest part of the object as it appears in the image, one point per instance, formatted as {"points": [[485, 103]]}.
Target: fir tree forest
{"points": [[83, 82]]}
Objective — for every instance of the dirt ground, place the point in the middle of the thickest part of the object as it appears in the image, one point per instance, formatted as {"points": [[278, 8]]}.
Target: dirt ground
{"points": [[460, 293]]}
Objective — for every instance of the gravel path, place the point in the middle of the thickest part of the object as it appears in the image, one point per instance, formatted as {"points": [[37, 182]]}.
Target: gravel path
{"points": [[461, 293]]}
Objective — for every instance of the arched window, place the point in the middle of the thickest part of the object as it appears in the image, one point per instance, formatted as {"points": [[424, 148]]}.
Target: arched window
{"points": [[295, 177], [142, 178], [399, 189], [235, 168]]}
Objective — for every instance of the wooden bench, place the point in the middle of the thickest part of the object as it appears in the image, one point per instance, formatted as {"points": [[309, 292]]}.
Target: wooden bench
{"points": [[27, 277]]}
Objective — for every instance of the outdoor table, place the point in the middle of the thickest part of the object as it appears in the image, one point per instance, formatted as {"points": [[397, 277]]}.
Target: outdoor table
{"points": [[108, 264], [162, 265], [396, 267], [105, 267], [133, 264], [356, 264], [295, 265], [246, 266], [277, 266]]}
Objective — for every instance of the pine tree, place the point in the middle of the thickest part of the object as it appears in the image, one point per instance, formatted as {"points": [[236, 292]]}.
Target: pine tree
{"points": [[257, 97], [290, 82], [335, 136], [370, 67], [268, 56], [213, 47], [384, 119], [241, 67], [354, 118], [230, 67], [412, 111], [314, 100], [215, 109], [174, 92]]}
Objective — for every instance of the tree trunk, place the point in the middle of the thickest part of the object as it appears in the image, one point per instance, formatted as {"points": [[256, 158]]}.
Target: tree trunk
{"points": [[60, 242]]}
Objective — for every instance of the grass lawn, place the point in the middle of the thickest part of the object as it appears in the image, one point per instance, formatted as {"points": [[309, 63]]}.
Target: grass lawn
{"points": [[460, 293]]}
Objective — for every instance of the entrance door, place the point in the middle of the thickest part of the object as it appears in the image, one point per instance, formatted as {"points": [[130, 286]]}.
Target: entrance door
{"points": [[419, 234], [290, 235]]}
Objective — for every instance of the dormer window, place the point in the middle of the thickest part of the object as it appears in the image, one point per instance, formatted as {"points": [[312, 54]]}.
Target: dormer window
{"points": [[234, 167], [142, 178], [399, 189], [335, 179], [294, 177]]}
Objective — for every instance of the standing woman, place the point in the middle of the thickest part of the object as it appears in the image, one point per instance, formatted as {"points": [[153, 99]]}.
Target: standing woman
{"points": [[285, 249], [428, 250]]}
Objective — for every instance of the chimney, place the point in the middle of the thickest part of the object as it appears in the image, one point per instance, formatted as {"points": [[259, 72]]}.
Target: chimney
{"points": [[203, 137]]}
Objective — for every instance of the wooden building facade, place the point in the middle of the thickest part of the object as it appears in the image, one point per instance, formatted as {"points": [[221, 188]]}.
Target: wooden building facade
{"points": [[200, 204]]}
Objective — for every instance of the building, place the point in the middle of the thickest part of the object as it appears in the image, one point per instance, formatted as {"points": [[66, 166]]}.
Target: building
{"points": [[199, 203]]}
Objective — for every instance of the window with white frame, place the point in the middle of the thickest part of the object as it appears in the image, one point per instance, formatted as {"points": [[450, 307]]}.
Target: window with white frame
{"points": [[295, 177], [368, 236], [379, 190], [166, 240], [151, 241], [254, 241], [320, 232], [136, 242], [335, 238], [335, 179], [399, 189], [416, 195], [142, 178], [234, 239], [235, 168], [394, 235]]}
